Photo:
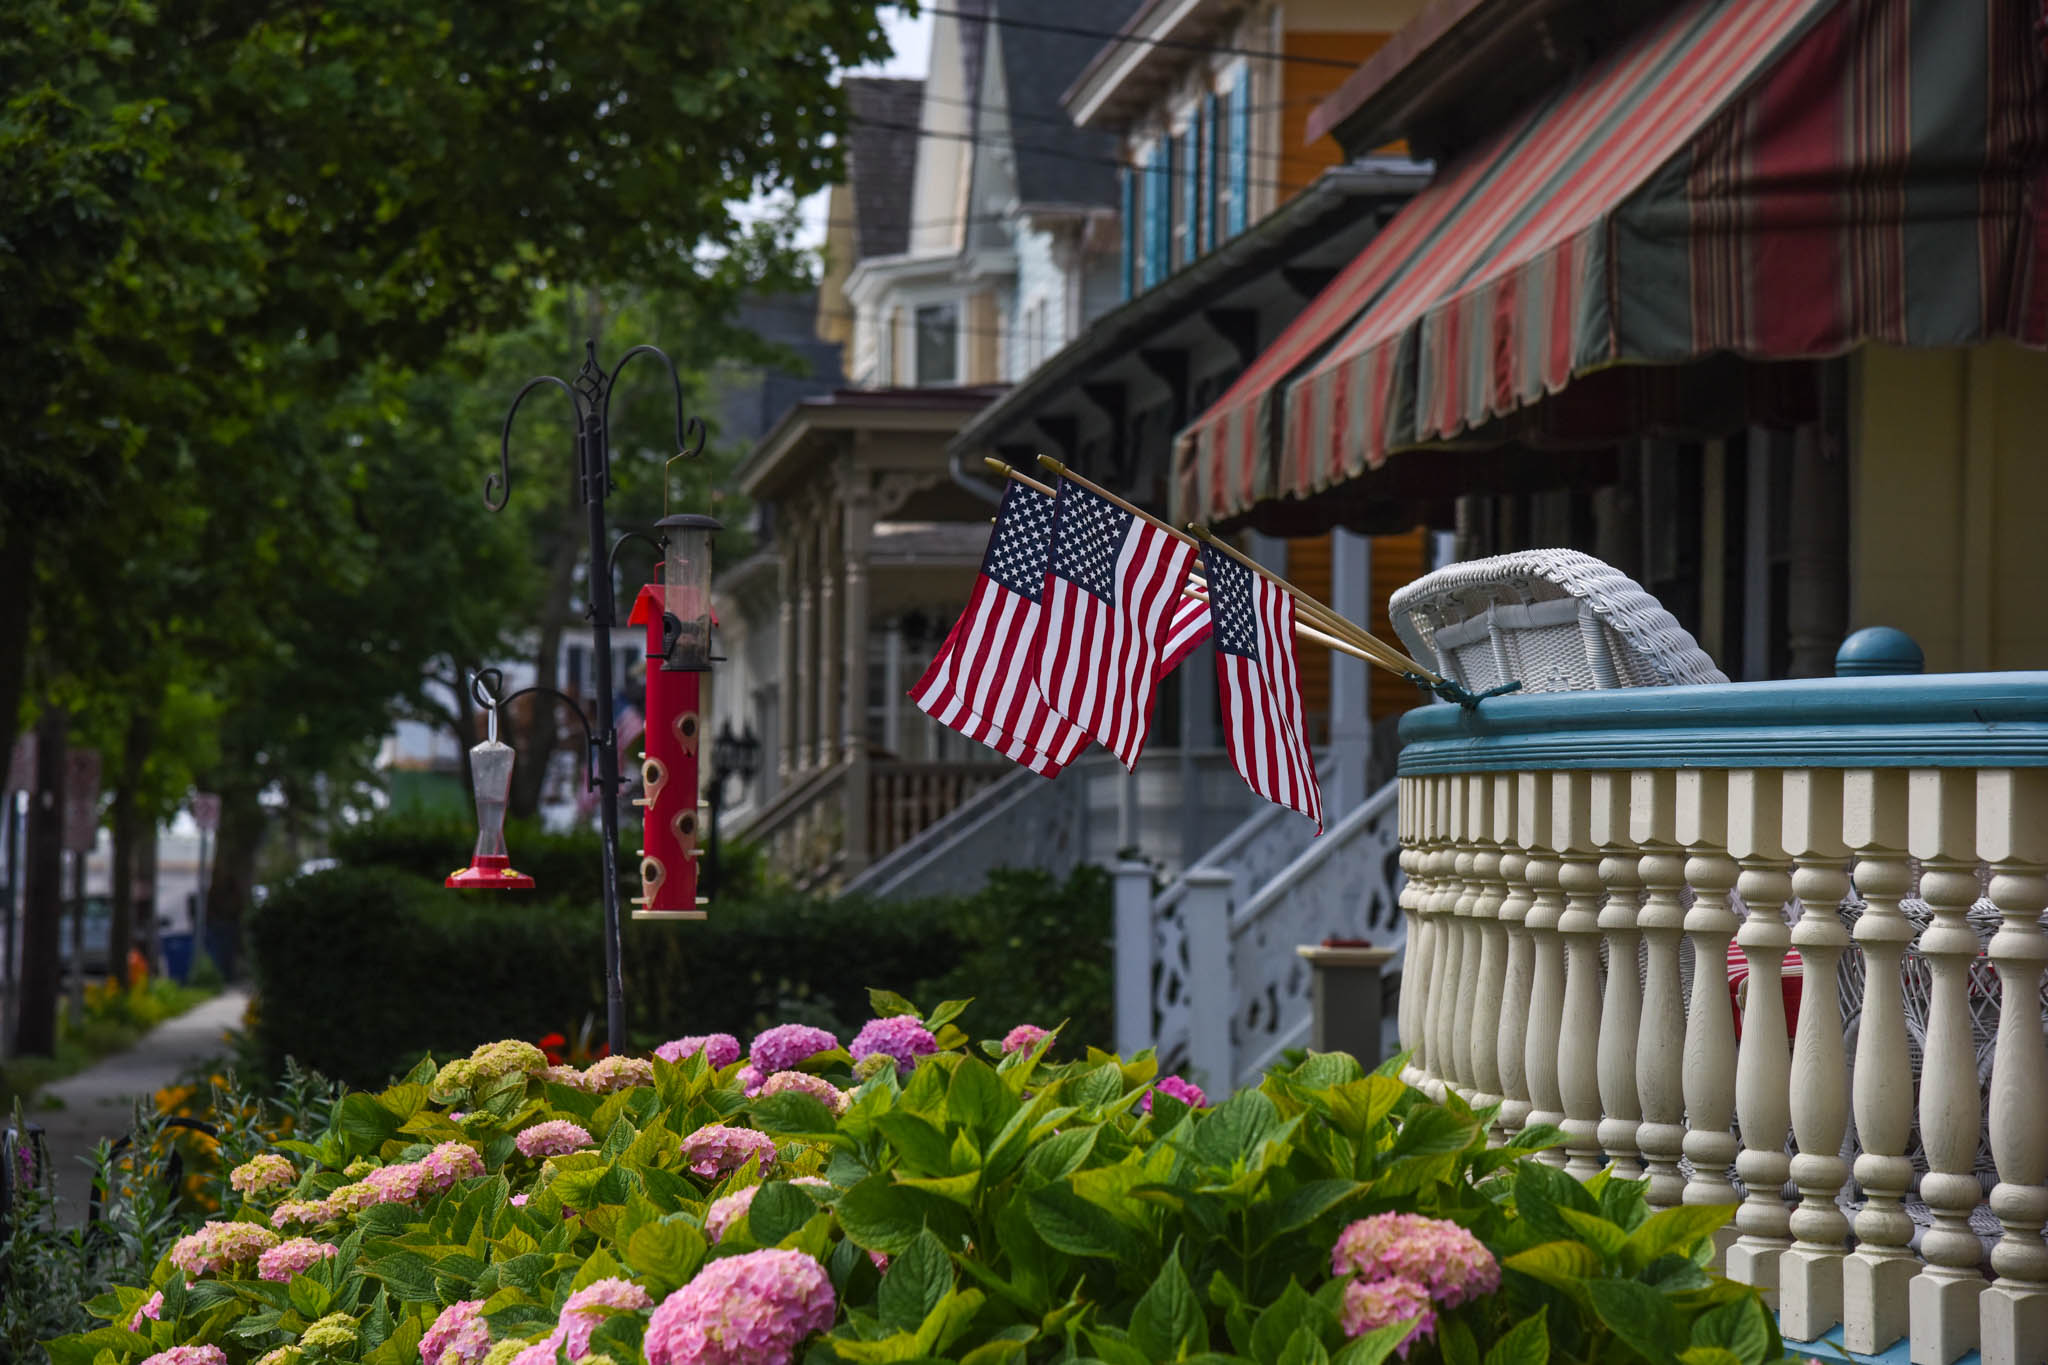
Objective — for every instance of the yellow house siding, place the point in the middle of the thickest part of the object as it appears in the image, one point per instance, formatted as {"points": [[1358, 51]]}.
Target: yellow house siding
{"points": [[1949, 538]]}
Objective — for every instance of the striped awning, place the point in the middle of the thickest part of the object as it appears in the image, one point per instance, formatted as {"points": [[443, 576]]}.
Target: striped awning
{"points": [[1775, 179]]}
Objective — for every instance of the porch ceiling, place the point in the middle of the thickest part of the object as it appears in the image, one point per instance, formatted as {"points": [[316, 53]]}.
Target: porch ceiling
{"points": [[884, 428]]}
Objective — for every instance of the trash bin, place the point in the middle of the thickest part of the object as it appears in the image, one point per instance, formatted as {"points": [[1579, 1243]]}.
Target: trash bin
{"points": [[177, 950]]}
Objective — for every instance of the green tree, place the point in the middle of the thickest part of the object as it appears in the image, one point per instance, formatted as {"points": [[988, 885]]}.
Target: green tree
{"points": [[225, 215]]}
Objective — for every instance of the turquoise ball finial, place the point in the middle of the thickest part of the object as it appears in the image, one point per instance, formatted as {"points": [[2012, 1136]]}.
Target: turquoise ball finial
{"points": [[1879, 651]]}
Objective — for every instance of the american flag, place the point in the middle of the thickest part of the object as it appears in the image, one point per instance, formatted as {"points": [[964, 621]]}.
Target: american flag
{"points": [[1185, 630], [1263, 725], [1111, 588], [979, 683]]}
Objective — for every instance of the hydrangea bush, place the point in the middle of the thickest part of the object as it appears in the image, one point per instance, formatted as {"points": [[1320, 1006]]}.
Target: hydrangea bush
{"points": [[926, 1200]]}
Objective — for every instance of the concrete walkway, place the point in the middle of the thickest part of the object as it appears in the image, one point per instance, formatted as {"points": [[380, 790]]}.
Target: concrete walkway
{"points": [[99, 1102]]}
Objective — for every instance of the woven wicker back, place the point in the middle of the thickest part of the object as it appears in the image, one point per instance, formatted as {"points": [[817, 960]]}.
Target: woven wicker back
{"points": [[1556, 620]]}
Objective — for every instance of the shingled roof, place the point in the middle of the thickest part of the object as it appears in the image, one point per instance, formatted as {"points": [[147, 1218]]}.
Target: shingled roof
{"points": [[1057, 163], [881, 156]]}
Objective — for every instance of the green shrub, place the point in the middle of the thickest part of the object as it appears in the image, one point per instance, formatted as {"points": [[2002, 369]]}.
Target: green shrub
{"points": [[363, 969], [980, 1206]]}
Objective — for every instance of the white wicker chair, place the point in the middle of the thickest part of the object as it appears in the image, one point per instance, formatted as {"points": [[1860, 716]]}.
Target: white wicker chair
{"points": [[1553, 620]]}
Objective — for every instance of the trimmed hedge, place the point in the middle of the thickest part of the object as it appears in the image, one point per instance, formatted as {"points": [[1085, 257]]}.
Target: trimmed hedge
{"points": [[362, 969]]}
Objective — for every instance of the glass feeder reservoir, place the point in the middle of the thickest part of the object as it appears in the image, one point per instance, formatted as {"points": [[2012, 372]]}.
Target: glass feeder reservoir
{"points": [[686, 590], [490, 867]]}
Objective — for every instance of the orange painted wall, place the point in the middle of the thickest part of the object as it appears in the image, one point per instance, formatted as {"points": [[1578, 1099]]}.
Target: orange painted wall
{"points": [[1396, 561], [1304, 86]]}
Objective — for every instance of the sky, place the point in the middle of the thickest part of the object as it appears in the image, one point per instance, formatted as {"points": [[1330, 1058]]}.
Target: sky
{"points": [[912, 40]]}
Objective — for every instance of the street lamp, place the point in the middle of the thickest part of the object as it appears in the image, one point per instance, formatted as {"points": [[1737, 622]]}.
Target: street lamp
{"points": [[590, 401], [731, 756]]}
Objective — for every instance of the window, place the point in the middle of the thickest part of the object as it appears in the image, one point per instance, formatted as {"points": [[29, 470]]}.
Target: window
{"points": [[1158, 213], [1232, 155], [938, 343], [1187, 169], [1210, 168]]}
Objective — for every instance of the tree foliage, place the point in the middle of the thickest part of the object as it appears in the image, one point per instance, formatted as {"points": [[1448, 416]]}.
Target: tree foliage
{"points": [[263, 268]]}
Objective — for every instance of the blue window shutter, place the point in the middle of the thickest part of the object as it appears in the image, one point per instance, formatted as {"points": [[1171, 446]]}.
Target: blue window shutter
{"points": [[1240, 152], [1209, 160], [1130, 231], [1158, 214], [1191, 189]]}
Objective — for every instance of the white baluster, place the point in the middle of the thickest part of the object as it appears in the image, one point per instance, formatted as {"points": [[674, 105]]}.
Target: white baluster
{"points": [[1621, 1008], [1810, 1274], [1578, 1073], [1763, 1060], [1660, 1043], [1546, 979], [1516, 836], [1875, 1276], [1461, 957], [1492, 819], [1414, 895], [1942, 834], [1709, 1073], [1443, 993], [2012, 835]]}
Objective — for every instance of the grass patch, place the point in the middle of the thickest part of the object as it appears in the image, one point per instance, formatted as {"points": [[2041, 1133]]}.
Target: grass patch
{"points": [[115, 1020]]}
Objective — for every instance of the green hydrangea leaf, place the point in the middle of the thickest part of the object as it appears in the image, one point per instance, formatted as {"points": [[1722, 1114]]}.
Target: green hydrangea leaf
{"points": [[1526, 1343], [916, 1283]]}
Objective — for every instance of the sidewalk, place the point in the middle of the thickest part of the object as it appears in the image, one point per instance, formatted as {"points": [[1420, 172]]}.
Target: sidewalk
{"points": [[99, 1101]]}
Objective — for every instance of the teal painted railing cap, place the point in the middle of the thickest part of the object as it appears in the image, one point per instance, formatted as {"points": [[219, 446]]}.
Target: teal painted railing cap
{"points": [[1943, 720], [1879, 651]]}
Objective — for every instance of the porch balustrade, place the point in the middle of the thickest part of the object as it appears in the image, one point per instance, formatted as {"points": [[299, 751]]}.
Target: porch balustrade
{"points": [[1877, 851]]}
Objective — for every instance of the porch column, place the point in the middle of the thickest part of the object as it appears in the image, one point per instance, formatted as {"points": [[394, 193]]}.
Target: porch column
{"points": [[857, 508], [892, 687], [785, 699], [1350, 711], [826, 681], [803, 733]]}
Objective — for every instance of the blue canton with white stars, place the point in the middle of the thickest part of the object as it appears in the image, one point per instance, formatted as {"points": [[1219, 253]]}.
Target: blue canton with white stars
{"points": [[1087, 535], [1230, 604], [1022, 542]]}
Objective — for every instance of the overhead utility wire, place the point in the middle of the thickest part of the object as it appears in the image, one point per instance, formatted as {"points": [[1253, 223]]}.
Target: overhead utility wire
{"points": [[1110, 161], [1112, 36]]}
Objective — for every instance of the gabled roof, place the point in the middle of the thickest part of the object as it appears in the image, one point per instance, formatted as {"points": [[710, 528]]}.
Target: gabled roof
{"points": [[881, 155], [1057, 163]]}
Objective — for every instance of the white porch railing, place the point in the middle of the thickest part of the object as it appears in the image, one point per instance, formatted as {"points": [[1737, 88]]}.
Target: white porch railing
{"points": [[1207, 971], [1875, 831]]}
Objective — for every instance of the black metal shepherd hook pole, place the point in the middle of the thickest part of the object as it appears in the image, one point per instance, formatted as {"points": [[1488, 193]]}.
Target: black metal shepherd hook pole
{"points": [[590, 401]]}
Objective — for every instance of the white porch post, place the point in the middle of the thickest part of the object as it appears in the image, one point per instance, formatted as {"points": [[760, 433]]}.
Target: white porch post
{"points": [[1207, 908], [1350, 707], [857, 507], [791, 576], [892, 685], [1132, 901]]}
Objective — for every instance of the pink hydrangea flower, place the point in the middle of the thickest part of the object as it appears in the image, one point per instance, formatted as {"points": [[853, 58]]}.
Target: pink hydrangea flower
{"points": [[723, 1213], [457, 1115], [618, 1073], [879, 1261], [294, 1257], [216, 1246], [1449, 1263], [803, 1083], [1187, 1092], [542, 1352], [152, 1309], [588, 1306], [785, 1046], [188, 1355], [262, 1174], [518, 1201], [460, 1336], [754, 1309], [750, 1078], [562, 1075], [555, 1137], [898, 1036], [450, 1162], [720, 1050], [1022, 1038], [1368, 1306], [716, 1148], [303, 1211]]}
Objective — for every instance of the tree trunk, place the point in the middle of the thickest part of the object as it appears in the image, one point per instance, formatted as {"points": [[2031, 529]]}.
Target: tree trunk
{"points": [[135, 750], [43, 906], [243, 824], [145, 904], [17, 602]]}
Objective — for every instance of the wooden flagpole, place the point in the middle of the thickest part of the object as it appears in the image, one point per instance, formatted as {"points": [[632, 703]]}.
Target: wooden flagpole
{"points": [[1325, 622]]}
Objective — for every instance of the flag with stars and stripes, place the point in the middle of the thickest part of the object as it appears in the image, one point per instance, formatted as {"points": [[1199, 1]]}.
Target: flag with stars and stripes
{"points": [[1111, 588], [1185, 631], [980, 684], [1260, 686]]}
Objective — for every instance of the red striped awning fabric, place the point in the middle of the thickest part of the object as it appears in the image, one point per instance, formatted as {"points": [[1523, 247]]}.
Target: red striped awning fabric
{"points": [[1777, 179]]}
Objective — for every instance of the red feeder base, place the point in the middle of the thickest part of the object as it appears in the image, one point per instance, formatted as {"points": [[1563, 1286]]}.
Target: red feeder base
{"points": [[489, 872]]}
